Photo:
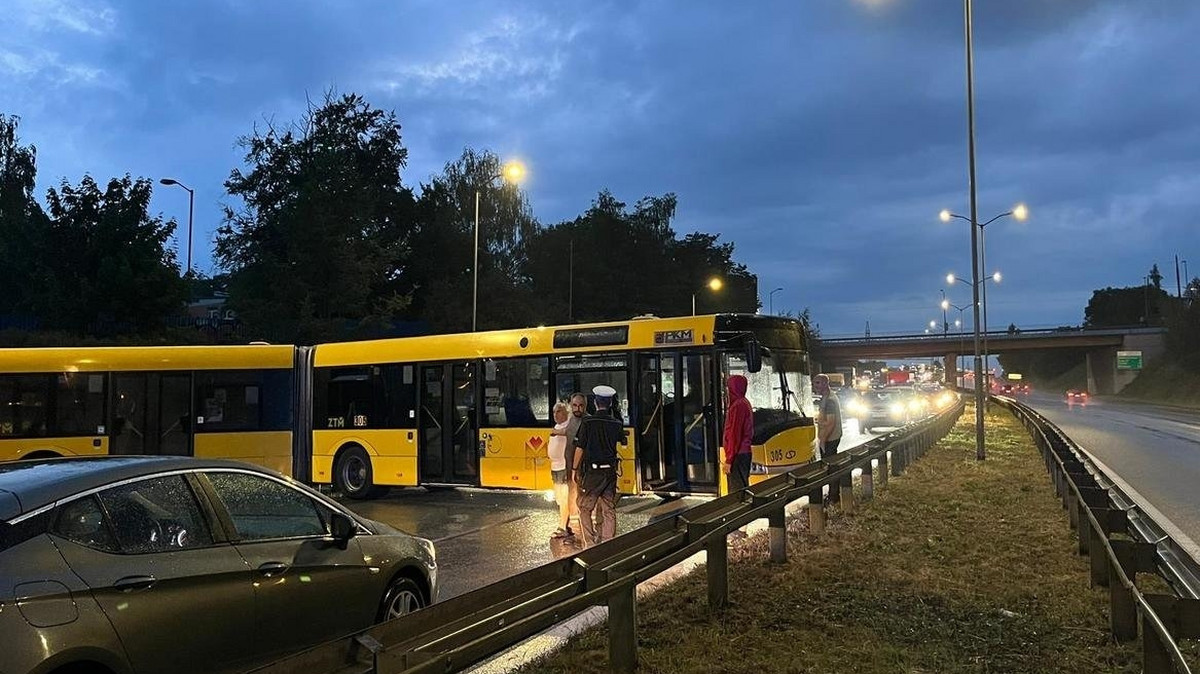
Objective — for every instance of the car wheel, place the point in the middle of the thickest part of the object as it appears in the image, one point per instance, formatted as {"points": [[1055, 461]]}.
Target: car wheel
{"points": [[353, 475], [402, 597]]}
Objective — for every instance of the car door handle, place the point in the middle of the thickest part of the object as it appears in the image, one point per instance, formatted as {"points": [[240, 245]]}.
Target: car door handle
{"points": [[131, 583], [269, 569]]}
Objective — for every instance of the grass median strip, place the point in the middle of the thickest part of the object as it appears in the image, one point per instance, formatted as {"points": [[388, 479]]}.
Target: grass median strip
{"points": [[958, 566]]}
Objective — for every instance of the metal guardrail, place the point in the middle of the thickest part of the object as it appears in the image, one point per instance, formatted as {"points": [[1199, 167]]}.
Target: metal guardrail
{"points": [[460, 632], [1122, 540]]}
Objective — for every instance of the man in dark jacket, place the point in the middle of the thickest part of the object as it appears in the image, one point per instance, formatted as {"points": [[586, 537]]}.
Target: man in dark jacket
{"points": [[739, 430], [595, 471]]}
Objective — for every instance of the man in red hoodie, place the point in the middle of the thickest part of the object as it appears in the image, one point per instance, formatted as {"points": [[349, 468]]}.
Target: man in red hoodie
{"points": [[739, 429]]}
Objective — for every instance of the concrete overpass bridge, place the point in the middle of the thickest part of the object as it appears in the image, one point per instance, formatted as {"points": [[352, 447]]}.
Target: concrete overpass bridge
{"points": [[1100, 344]]}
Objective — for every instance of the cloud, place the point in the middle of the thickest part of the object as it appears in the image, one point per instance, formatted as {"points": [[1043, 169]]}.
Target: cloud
{"points": [[92, 17]]}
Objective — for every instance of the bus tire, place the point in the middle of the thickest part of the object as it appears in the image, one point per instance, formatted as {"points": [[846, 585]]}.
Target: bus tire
{"points": [[353, 475]]}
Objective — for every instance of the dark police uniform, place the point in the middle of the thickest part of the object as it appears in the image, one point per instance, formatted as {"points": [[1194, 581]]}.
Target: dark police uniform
{"points": [[597, 475]]}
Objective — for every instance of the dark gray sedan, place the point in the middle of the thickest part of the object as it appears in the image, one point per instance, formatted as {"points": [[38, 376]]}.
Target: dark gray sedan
{"points": [[172, 564]]}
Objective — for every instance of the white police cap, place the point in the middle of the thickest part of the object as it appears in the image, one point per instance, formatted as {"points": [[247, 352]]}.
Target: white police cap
{"points": [[603, 391]]}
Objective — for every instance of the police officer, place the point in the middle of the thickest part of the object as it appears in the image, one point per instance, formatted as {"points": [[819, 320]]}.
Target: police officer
{"points": [[596, 468]]}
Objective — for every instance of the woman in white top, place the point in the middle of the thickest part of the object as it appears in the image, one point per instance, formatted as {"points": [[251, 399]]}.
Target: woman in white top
{"points": [[557, 451]]}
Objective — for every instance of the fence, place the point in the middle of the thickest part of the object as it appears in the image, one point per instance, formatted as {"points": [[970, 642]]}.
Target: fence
{"points": [[1121, 541], [455, 634]]}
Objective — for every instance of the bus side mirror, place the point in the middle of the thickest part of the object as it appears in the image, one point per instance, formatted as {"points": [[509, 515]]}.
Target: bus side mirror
{"points": [[753, 355]]}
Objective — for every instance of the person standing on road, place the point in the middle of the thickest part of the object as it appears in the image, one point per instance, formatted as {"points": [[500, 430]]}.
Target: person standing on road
{"points": [[561, 476], [739, 430], [829, 418], [596, 469]]}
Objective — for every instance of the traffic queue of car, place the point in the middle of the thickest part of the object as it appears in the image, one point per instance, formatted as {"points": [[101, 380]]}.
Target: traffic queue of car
{"points": [[129, 564], [894, 406]]}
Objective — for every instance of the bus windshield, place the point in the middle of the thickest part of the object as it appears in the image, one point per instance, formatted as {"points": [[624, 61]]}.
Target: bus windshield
{"points": [[781, 384]]}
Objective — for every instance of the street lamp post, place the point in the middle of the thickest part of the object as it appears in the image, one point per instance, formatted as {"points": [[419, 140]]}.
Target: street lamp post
{"points": [[714, 284], [512, 173], [191, 209], [771, 300], [1020, 212]]}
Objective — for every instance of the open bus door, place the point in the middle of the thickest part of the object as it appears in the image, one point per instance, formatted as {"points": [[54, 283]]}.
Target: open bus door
{"points": [[448, 447]]}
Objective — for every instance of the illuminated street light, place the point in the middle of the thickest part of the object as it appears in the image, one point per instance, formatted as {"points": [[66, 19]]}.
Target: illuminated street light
{"points": [[512, 172], [714, 284]]}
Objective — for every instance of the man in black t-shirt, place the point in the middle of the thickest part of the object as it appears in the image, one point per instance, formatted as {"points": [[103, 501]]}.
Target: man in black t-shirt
{"points": [[595, 470]]}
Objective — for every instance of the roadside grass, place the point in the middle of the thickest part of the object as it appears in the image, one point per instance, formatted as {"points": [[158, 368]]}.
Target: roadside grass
{"points": [[958, 566]]}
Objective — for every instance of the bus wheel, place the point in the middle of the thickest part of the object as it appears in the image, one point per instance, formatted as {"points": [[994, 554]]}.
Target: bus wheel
{"points": [[352, 475]]}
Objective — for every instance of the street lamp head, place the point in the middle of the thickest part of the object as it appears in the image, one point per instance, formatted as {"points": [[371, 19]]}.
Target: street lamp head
{"points": [[933, 324], [958, 322], [996, 277], [950, 278], [945, 215], [715, 283], [1021, 212], [514, 171], [168, 181], [945, 304]]}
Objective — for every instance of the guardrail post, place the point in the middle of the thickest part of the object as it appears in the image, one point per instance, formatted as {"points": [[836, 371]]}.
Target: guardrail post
{"points": [[622, 628], [1122, 610], [717, 552], [1073, 513], [883, 468], [816, 511], [846, 488], [868, 481], [897, 459], [1154, 653], [778, 528], [1098, 556]]}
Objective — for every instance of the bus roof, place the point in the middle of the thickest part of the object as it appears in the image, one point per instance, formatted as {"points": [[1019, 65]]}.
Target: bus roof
{"points": [[146, 358], [638, 333]]}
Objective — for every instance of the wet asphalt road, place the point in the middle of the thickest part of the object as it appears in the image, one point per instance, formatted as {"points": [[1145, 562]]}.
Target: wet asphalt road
{"points": [[483, 536], [1156, 450]]}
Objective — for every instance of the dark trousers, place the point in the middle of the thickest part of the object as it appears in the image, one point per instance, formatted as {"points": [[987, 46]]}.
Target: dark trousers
{"points": [[598, 507], [830, 448], [739, 472]]}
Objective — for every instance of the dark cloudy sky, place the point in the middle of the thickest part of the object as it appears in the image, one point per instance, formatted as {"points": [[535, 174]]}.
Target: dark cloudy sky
{"points": [[822, 137]]}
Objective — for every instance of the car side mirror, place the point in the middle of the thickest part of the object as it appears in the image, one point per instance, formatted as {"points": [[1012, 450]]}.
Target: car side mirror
{"points": [[342, 527]]}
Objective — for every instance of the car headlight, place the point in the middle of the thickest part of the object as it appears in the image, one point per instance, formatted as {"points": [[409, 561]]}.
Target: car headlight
{"points": [[856, 407], [897, 409]]}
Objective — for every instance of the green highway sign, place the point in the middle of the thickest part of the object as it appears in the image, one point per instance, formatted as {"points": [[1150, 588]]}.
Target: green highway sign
{"points": [[1129, 360]]}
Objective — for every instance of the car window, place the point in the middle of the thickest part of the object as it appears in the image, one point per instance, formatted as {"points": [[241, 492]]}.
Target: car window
{"points": [[82, 521], [155, 515], [262, 508]]}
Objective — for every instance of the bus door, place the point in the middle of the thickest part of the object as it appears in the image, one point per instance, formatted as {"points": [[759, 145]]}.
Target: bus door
{"points": [[698, 399], [655, 427], [677, 437], [151, 414], [449, 444]]}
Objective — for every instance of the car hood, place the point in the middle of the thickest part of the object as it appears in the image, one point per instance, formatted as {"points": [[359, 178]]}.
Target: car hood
{"points": [[10, 505]]}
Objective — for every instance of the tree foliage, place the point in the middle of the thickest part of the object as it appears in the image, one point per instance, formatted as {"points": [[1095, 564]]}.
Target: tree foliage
{"points": [[613, 262], [440, 271], [22, 222], [111, 269], [1114, 307], [318, 247]]}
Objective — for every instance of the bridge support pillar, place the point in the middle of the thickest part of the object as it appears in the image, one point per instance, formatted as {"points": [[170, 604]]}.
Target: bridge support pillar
{"points": [[950, 365]]}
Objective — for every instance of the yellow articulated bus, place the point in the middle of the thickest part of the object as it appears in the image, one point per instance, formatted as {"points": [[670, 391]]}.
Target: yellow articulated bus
{"points": [[208, 401], [475, 409]]}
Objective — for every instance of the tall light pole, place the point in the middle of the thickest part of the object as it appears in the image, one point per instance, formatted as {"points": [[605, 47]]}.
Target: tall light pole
{"points": [[771, 300], [191, 209], [1020, 212], [714, 284], [513, 171]]}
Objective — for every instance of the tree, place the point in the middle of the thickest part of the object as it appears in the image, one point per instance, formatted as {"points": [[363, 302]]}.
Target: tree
{"points": [[22, 222], [613, 263], [1156, 277], [108, 267], [444, 247], [1114, 307], [319, 247]]}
